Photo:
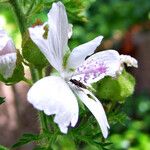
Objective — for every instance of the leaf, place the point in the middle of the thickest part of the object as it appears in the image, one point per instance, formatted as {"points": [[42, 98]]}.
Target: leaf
{"points": [[26, 138], [2, 100], [39, 148], [118, 117], [3, 148], [75, 9]]}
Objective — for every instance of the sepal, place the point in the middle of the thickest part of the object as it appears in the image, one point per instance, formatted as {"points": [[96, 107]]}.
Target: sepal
{"points": [[32, 53]]}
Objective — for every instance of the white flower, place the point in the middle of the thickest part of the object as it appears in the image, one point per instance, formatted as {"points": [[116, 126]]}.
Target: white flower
{"points": [[58, 95], [7, 55]]}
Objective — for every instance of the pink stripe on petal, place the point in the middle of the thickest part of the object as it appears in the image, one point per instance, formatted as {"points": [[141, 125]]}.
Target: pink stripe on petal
{"points": [[98, 66]]}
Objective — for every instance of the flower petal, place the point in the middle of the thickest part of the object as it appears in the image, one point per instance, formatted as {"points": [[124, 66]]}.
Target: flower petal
{"points": [[78, 55], [7, 55], [59, 30], [97, 66], [70, 30], [7, 64], [130, 61], [96, 108], [36, 34], [53, 96], [6, 46], [4, 37]]}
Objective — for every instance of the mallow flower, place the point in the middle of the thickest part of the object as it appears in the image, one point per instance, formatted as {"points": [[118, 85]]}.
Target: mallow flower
{"points": [[58, 95], [8, 55]]}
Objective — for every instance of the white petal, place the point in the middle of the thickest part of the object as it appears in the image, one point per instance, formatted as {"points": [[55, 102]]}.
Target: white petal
{"points": [[7, 64], [97, 66], [96, 109], [130, 61], [4, 38], [70, 31], [59, 30], [78, 55], [7, 55], [36, 34], [53, 96], [6, 44]]}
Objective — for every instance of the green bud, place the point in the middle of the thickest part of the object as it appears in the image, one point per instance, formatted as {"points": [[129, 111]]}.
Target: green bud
{"points": [[116, 89]]}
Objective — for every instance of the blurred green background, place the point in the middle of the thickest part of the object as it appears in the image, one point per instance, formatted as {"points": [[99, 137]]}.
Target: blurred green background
{"points": [[118, 21]]}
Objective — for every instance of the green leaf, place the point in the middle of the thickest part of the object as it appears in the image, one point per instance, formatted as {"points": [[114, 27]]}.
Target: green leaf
{"points": [[26, 138], [32, 53], [118, 117], [2, 100], [116, 89], [39, 148], [3, 148], [75, 8]]}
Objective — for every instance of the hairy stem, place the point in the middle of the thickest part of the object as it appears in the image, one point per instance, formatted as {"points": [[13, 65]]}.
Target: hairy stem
{"points": [[22, 22]]}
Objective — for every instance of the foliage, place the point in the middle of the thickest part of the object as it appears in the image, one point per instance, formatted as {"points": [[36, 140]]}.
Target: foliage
{"points": [[2, 100], [26, 138], [108, 17], [135, 135], [3, 148]]}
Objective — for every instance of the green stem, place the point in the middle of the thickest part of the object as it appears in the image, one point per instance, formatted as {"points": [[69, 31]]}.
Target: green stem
{"points": [[42, 116], [34, 74], [27, 81], [20, 15], [43, 122], [30, 8]]}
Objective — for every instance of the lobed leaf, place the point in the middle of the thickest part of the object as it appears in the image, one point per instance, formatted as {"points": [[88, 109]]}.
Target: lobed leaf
{"points": [[26, 138]]}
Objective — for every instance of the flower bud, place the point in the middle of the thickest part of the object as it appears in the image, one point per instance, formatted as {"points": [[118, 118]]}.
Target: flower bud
{"points": [[8, 55]]}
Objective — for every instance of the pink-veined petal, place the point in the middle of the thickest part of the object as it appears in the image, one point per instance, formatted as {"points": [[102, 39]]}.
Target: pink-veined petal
{"points": [[4, 38], [78, 55], [97, 66], [7, 64], [6, 44], [7, 55], [96, 108], [53, 96]]}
